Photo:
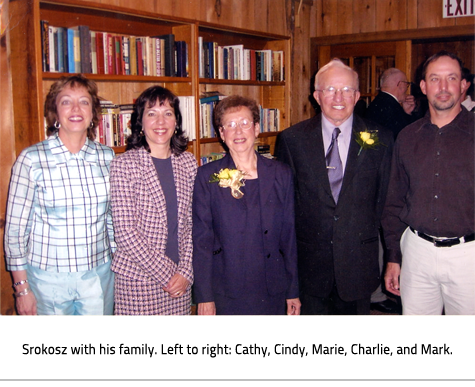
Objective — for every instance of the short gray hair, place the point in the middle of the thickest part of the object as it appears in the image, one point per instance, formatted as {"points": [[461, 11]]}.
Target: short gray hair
{"points": [[387, 74], [335, 62]]}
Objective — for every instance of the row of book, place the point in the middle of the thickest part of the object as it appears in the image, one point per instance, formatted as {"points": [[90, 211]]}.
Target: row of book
{"points": [[269, 117], [262, 149], [205, 159], [80, 50], [115, 125], [238, 63], [188, 113], [207, 104]]}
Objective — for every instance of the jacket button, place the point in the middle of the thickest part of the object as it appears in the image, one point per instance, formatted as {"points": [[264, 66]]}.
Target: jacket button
{"points": [[336, 217], [268, 255], [265, 232]]}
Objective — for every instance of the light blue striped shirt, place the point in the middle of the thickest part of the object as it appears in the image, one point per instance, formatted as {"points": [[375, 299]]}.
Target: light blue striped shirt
{"points": [[58, 211]]}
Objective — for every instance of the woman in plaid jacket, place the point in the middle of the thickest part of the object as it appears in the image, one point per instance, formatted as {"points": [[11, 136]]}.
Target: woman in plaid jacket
{"points": [[152, 188]]}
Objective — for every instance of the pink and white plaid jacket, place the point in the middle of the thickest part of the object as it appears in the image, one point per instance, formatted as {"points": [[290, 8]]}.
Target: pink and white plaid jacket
{"points": [[140, 217]]}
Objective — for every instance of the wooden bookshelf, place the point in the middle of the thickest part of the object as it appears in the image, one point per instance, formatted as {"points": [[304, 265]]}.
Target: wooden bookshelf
{"points": [[268, 94], [32, 85]]}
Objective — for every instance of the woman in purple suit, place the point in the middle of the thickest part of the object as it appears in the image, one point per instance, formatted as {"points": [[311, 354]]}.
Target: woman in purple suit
{"points": [[244, 246]]}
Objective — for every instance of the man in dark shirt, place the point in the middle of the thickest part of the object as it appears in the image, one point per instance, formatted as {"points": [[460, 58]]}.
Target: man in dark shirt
{"points": [[428, 219], [392, 107]]}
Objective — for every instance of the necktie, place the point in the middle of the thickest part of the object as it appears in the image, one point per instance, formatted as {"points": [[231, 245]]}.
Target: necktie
{"points": [[334, 166]]}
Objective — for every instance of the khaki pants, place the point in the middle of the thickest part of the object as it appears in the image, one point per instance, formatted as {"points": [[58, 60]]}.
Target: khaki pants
{"points": [[434, 279]]}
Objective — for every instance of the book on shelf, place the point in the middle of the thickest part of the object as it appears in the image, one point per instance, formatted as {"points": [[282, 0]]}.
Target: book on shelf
{"points": [[269, 120], [264, 65], [119, 56], [277, 66], [225, 63], [236, 62], [83, 36], [52, 49], [139, 58], [208, 61], [201, 58], [208, 101], [93, 53], [181, 55], [169, 43], [111, 54], [211, 157], [206, 98], [133, 56], [107, 129], [215, 60], [100, 53], [126, 57], [44, 24], [79, 50], [60, 46], [262, 148], [187, 109], [125, 123], [220, 61], [76, 50]]}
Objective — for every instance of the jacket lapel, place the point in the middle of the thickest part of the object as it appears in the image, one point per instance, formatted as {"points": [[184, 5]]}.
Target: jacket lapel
{"points": [[152, 183], [228, 162], [266, 173], [315, 153], [354, 161]]}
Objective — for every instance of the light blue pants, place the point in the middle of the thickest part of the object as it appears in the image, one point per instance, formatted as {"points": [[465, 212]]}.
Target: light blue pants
{"points": [[82, 293]]}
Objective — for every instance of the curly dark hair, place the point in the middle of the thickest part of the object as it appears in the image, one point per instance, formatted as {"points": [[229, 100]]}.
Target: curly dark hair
{"points": [[73, 81], [148, 98], [232, 104]]}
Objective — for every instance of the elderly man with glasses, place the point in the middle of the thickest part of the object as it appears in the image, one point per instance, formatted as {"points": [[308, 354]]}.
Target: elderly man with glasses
{"points": [[341, 172], [393, 108]]}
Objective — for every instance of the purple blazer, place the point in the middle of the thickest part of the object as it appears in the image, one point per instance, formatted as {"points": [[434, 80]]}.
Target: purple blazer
{"points": [[218, 220]]}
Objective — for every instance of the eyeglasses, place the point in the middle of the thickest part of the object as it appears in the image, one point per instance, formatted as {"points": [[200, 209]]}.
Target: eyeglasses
{"points": [[244, 124], [346, 91], [407, 84]]}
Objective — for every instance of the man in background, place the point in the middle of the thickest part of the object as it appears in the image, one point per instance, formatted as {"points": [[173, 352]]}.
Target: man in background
{"points": [[392, 107], [466, 99], [428, 218]]}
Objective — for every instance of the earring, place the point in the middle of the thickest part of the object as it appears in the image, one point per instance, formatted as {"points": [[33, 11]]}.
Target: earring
{"points": [[57, 125], [92, 124]]}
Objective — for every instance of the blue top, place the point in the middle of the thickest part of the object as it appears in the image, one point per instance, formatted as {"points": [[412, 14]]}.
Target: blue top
{"points": [[58, 211]]}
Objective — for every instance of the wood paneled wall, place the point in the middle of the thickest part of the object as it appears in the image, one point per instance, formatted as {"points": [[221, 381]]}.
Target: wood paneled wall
{"points": [[341, 17], [7, 153], [317, 18]]}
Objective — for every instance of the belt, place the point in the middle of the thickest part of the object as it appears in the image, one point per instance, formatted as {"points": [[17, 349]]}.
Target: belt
{"points": [[444, 242]]}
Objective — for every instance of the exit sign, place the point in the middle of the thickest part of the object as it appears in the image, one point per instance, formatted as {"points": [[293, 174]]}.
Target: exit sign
{"points": [[458, 8]]}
